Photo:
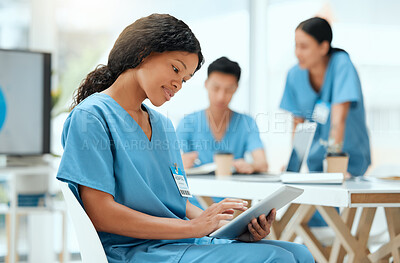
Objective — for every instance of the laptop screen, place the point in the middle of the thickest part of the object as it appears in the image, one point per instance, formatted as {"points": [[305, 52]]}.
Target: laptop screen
{"points": [[302, 140]]}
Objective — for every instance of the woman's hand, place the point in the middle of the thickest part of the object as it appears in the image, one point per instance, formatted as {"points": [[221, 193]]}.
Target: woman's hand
{"points": [[243, 167], [258, 229], [215, 215], [189, 158]]}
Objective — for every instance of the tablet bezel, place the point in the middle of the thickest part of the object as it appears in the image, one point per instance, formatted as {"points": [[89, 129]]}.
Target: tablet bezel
{"points": [[284, 195]]}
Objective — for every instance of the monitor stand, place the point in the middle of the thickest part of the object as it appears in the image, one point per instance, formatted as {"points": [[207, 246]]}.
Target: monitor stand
{"points": [[22, 161]]}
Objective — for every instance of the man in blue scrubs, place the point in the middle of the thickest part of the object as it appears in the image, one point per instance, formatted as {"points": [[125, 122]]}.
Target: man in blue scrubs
{"points": [[220, 129]]}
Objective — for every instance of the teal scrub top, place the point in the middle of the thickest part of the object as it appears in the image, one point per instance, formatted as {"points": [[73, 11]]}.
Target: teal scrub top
{"points": [[241, 136], [105, 149], [341, 84]]}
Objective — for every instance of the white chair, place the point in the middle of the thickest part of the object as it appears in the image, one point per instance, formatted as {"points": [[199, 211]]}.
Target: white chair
{"points": [[92, 250]]}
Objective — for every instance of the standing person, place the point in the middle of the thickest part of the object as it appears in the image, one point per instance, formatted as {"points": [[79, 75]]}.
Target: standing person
{"points": [[324, 87], [121, 157], [326, 81], [220, 129]]}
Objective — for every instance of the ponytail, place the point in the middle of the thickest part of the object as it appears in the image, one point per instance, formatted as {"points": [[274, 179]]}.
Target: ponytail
{"points": [[334, 50], [320, 30], [96, 81]]}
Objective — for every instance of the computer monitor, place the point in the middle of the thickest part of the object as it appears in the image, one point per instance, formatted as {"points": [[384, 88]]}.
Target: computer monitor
{"points": [[302, 140], [25, 102]]}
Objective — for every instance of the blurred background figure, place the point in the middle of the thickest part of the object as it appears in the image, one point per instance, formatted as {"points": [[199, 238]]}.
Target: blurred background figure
{"points": [[204, 133], [324, 87]]}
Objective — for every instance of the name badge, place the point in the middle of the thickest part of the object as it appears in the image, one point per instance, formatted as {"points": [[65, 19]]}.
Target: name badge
{"points": [[321, 112], [180, 181]]}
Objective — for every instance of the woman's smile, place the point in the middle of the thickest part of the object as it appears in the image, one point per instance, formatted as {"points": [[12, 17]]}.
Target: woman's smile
{"points": [[168, 93]]}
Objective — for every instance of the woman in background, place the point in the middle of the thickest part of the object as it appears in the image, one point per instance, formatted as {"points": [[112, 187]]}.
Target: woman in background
{"points": [[324, 87]]}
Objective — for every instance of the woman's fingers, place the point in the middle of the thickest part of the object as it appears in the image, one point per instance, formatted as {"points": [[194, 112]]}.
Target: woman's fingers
{"points": [[235, 200], [228, 211], [253, 232], [271, 216], [226, 207], [257, 226], [230, 203], [224, 217], [263, 221], [223, 206]]}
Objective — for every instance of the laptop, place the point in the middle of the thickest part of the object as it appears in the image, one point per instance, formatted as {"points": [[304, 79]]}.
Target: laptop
{"points": [[303, 137], [302, 141]]}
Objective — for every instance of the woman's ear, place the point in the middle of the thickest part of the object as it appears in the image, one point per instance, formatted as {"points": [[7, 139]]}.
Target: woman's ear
{"points": [[324, 47]]}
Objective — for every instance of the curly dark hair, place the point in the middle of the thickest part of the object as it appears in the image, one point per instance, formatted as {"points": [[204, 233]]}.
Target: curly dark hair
{"points": [[154, 33]]}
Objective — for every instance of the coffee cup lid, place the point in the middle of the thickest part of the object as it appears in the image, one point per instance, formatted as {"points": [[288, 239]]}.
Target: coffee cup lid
{"points": [[223, 153], [340, 154]]}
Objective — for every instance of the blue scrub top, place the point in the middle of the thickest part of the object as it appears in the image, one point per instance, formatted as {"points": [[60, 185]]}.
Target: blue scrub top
{"points": [[241, 136], [105, 149], [341, 84]]}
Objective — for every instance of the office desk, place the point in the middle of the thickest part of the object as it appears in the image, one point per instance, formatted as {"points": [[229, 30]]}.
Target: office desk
{"points": [[364, 194], [13, 176]]}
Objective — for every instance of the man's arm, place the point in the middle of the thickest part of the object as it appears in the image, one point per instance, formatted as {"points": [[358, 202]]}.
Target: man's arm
{"points": [[259, 163]]}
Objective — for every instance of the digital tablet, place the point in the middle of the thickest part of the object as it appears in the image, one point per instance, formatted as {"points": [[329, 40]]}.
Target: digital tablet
{"points": [[284, 195]]}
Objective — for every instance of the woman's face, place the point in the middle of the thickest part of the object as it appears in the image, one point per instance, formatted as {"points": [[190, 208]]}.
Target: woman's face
{"points": [[221, 87], [308, 51], [161, 75]]}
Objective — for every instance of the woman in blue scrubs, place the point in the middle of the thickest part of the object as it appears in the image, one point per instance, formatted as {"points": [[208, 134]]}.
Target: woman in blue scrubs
{"points": [[324, 87], [122, 159], [204, 133]]}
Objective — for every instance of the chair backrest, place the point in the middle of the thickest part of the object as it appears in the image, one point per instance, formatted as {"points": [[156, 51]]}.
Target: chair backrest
{"points": [[92, 250]]}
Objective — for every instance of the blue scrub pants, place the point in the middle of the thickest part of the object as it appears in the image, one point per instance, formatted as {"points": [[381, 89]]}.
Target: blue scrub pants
{"points": [[222, 250]]}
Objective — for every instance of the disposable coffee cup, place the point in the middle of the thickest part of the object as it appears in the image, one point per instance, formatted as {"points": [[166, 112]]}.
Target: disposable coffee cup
{"points": [[224, 163], [336, 163]]}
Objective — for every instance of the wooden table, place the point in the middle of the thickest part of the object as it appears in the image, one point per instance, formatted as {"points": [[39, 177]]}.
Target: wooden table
{"points": [[353, 194]]}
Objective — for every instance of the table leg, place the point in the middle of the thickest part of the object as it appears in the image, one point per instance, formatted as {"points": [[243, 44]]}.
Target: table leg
{"points": [[320, 253], [385, 251], [392, 218], [63, 252], [8, 234], [279, 225], [393, 246], [364, 226], [17, 219], [354, 248], [12, 237], [13, 219], [338, 252], [304, 212]]}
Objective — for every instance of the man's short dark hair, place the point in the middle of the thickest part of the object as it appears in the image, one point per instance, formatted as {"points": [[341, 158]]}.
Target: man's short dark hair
{"points": [[224, 65]]}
